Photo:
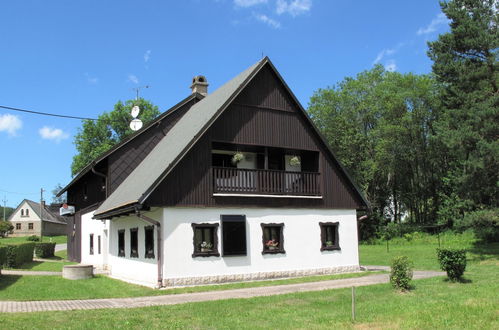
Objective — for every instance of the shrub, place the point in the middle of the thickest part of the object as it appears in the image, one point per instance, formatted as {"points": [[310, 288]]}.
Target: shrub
{"points": [[18, 254], [3, 255], [401, 273], [33, 238], [44, 250], [485, 224], [5, 228], [453, 262]]}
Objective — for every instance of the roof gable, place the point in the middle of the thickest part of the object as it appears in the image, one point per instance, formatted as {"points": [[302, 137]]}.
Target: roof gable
{"points": [[48, 215], [137, 187]]}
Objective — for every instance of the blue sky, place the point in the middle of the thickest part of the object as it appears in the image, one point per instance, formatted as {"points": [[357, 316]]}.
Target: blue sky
{"points": [[80, 57]]}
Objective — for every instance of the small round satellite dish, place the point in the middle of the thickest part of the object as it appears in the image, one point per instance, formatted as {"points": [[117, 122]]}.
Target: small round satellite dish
{"points": [[135, 111], [136, 124]]}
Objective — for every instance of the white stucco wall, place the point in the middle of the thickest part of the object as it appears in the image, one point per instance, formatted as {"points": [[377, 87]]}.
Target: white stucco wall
{"points": [[98, 228], [301, 241], [139, 270]]}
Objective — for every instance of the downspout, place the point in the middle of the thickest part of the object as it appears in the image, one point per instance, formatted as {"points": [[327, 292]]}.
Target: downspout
{"points": [[158, 234]]}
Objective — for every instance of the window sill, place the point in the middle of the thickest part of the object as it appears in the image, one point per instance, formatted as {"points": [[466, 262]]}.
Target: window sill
{"points": [[330, 248], [206, 254], [273, 251]]}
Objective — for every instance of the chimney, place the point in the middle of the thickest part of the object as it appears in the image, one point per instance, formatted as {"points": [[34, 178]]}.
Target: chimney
{"points": [[199, 85]]}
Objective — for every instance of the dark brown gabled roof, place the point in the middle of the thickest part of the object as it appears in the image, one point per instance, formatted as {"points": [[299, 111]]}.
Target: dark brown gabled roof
{"points": [[130, 137], [137, 187]]}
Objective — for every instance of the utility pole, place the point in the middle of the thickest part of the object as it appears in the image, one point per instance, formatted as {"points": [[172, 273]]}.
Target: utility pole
{"points": [[41, 214], [4, 205]]}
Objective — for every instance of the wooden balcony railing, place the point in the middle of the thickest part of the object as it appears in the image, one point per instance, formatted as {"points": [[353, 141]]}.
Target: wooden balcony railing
{"points": [[265, 182]]}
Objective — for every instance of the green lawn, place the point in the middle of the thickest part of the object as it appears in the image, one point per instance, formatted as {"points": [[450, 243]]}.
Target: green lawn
{"points": [[433, 303], [15, 240], [13, 287], [49, 266]]}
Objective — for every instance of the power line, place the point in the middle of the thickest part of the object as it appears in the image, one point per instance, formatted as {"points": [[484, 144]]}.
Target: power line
{"points": [[17, 193], [45, 113]]}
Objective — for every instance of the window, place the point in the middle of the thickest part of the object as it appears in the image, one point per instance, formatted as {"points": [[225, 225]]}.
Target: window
{"points": [[27, 212], [149, 241], [272, 238], [222, 160], [91, 244], [121, 243], [18, 226], [329, 236], [22, 212], [98, 245], [234, 235], [134, 242], [205, 240], [30, 226]]}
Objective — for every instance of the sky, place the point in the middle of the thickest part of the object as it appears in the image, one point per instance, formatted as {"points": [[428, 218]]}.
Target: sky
{"points": [[79, 58]]}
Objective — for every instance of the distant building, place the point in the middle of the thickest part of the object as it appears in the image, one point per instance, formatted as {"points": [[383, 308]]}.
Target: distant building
{"points": [[27, 221]]}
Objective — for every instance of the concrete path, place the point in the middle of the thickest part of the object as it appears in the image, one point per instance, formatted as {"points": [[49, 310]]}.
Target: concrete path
{"points": [[29, 272], [61, 247], [173, 299]]}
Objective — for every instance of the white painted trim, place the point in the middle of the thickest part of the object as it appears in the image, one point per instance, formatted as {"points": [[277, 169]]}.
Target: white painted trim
{"points": [[269, 196]]}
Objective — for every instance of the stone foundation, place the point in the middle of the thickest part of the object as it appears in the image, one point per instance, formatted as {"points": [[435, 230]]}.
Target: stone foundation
{"points": [[217, 279]]}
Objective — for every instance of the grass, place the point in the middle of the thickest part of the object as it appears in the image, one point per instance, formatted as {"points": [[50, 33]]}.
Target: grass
{"points": [[17, 240], [46, 265], [433, 303], [14, 287], [421, 250]]}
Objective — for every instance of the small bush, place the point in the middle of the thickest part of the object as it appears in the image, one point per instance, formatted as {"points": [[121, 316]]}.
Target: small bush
{"points": [[19, 254], [453, 262], [44, 250], [33, 238], [401, 273]]}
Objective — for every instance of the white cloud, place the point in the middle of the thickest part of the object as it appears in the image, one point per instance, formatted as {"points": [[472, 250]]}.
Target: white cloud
{"points": [[441, 19], [391, 65], [383, 53], [267, 20], [147, 56], [293, 7], [91, 80], [10, 124], [56, 134], [133, 78], [248, 3]]}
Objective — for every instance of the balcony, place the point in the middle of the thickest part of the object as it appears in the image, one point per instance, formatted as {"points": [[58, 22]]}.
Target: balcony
{"points": [[263, 182]]}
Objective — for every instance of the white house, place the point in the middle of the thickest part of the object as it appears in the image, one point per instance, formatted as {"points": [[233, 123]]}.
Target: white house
{"points": [[229, 186], [29, 218]]}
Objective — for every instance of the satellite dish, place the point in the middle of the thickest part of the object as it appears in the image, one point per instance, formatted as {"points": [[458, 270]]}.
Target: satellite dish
{"points": [[135, 111], [136, 124]]}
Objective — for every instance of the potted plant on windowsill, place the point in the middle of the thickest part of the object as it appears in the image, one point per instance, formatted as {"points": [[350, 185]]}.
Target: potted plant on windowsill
{"points": [[329, 244], [206, 247], [272, 245], [295, 161], [237, 157]]}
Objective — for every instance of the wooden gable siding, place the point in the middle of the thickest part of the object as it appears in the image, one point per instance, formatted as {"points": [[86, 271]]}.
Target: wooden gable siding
{"points": [[90, 183], [263, 114], [124, 160]]}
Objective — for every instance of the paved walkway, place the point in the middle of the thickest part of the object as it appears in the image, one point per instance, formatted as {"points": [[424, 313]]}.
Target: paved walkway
{"points": [[173, 299], [61, 247]]}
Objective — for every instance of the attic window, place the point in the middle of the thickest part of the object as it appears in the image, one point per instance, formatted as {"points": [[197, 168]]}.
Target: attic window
{"points": [[201, 79], [22, 212], [27, 212]]}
